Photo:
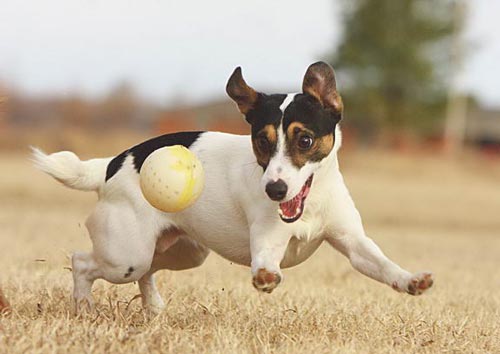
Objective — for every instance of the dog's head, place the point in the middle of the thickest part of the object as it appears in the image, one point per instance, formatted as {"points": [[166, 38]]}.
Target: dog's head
{"points": [[291, 134]]}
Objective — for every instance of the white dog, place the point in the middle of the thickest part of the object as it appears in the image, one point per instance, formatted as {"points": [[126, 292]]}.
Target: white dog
{"points": [[270, 199]]}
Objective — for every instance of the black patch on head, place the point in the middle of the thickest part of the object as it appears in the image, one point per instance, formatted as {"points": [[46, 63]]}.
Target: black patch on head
{"points": [[266, 111], [310, 112], [264, 114], [130, 270], [142, 151]]}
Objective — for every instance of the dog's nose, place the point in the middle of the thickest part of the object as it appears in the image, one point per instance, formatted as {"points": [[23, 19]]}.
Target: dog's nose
{"points": [[276, 190]]}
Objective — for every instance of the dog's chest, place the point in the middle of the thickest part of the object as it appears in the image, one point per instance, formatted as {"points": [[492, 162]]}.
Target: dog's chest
{"points": [[307, 235], [299, 250]]}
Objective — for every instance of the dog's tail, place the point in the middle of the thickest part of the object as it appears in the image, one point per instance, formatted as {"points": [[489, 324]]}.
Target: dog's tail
{"points": [[68, 169]]}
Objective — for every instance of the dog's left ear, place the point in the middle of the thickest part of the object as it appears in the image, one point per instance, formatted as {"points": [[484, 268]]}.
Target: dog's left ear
{"points": [[240, 92], [319, 82]]}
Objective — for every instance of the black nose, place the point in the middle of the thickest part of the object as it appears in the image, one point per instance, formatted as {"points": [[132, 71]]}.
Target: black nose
{"points": [[276, 190]]}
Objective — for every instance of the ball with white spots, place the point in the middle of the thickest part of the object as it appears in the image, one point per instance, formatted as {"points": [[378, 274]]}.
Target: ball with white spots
{"points": [[172, 178]]}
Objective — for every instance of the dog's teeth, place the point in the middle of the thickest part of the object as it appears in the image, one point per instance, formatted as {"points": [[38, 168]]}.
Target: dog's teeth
{"points": [[280, 212], [297, 210]]}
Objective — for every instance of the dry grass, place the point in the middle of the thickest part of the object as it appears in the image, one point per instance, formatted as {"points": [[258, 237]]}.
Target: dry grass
{"points": [[425, 213]]}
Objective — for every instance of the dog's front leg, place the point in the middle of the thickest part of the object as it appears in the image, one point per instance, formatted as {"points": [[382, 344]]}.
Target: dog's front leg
{"points": [[366, 257], [268, 244]]}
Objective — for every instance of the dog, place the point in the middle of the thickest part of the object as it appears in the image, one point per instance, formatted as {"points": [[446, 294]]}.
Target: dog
{"points": [[270, 199]]}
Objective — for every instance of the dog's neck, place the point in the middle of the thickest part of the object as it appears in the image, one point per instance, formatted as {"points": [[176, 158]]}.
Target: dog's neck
{"points": [[330, 163], [329, 166]]}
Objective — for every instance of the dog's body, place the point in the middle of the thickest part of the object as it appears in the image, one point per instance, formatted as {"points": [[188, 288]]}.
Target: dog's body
{"points": [[294, 137]]}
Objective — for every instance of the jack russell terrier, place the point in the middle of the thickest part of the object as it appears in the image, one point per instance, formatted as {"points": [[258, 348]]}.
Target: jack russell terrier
{"points": [[270, 199]]}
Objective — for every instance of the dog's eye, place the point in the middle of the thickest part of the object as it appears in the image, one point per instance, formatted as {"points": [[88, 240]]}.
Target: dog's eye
{"points": [[262, 142], [305, 142]]}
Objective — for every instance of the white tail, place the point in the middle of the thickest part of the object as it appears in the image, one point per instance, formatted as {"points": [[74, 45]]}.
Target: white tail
{"points": [[68, 169]]}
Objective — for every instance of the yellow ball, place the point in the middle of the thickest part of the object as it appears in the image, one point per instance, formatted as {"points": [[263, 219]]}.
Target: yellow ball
{"points": [[172, 178]]}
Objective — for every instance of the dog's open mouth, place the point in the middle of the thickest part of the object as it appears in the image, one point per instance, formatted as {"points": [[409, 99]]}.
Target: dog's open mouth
{"points": [[292, 210]]}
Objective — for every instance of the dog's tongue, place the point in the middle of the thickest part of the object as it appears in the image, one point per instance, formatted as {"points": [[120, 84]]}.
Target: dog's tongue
{"points": [[292, 207]]}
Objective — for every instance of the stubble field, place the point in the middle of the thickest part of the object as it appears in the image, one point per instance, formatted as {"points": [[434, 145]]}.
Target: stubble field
{"points": [[424, 212]]}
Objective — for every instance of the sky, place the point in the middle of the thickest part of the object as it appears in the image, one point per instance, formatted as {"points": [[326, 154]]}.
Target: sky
{"points": [[186, 50]]}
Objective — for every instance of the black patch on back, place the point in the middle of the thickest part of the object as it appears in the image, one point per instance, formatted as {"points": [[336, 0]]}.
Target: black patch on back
{"points": [[115, 165], [309, 111], [143, 150]]}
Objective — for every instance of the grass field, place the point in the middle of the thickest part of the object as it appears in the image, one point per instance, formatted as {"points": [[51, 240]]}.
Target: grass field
{"points": [[425, 213]]}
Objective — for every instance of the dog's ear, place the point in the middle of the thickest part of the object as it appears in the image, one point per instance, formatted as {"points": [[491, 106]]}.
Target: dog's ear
{"points": [[319, 82], [240, 92]]}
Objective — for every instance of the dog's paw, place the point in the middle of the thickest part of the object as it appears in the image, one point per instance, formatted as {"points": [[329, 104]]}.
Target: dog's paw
{"points": [[154, 310], [265, 280], [416, 285], [419, 283], [153, 305], [84, 304]]}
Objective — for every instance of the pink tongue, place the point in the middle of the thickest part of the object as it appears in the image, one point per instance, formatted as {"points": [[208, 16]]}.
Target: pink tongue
{"points": [[289, 208]]}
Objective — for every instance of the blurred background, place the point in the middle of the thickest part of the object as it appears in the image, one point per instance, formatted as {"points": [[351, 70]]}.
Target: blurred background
{"points": [[96, 76], [419, 81], [420, 156]]}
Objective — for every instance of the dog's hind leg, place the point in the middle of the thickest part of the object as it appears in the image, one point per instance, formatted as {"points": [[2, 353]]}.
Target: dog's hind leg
{"points": [[85, 272], [124, 241], [123, 249], [174, 251], [151, 299]]}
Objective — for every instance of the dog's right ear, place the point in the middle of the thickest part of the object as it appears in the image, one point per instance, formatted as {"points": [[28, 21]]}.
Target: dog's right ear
{"points": [[240, 92]]}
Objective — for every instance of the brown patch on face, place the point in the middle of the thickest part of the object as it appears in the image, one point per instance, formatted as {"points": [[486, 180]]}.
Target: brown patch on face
{"points": [[319, 149], [264, 144]]}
